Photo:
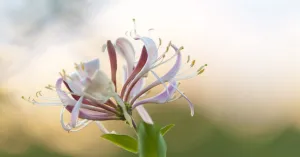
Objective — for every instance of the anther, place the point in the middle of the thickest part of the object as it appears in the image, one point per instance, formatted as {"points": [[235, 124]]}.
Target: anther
{"points": [[160, 41], [181, 48], [82, 65], [178, 84], [201, 71], [193, 63], [76, 66], [104, 46], [188, 59], [169, 45], [38, 93], [64, 72]]}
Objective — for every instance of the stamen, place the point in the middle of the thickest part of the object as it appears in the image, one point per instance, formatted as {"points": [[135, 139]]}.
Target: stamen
{"points": [[82, 65], [38, 93], [168, 47], [76, 66], [190, 74], [154, 66], [162, 82], [201, 69], [188, 59], [134, 26], [160, 41], [104, 46], [48, 87], [178, 84], [200, 72], [102, 127], [181, 48], [61, 74], [186, 98], [193, 63], [82, 124], [64, 72], [175, 98]]}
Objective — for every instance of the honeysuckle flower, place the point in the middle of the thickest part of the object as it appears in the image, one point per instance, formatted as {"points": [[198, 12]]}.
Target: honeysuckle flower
{"points": [[90, 95]]}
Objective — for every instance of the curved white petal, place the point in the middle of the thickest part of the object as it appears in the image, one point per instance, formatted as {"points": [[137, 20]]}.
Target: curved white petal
{"points": [[144, 114], [101, 87], [125, 74], [91, 67], [127, 52], [74, 83], [64, 98], [151, 50], [75, 112], [152, 55], [102, 127]]}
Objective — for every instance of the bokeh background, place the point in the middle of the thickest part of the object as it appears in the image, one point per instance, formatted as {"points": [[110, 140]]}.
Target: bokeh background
{"points": [[247, 101]]}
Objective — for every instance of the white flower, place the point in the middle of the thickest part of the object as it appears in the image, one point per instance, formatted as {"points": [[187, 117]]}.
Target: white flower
{"points": [[93, 96]]}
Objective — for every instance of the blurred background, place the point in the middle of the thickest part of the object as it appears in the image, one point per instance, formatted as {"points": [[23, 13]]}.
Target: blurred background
{"points": [[247, 101]]}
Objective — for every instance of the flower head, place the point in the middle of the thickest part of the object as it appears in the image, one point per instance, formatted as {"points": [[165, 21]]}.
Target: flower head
{"points": [[92, 96]]}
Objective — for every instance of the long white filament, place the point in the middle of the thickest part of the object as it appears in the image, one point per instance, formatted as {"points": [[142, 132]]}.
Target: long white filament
{"points": [[102, 127]]}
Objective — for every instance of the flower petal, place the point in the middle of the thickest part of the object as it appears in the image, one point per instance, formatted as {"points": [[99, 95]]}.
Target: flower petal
{"points": [[75, 112], [125, 74], [102, 127], [160, 98], [165, 78], [91, 67], [188, 100], [144, 114], [101, 88], [138, 87], [152, 53], [137, 69], [64, 98], [113, 62], [127, 52], [74, 83]]}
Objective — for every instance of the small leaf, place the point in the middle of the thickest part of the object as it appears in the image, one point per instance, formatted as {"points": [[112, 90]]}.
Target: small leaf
{"points": [[150, 141], [126, 142], [166, 129]]}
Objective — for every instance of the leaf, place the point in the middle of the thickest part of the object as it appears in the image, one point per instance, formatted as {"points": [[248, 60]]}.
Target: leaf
{"points": [[166, 129], [150, 141], [126, 142]]}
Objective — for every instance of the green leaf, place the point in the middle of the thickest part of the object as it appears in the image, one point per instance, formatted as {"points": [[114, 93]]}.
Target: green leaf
{"points": [[150, 141], [126, 142], [166, 129]]}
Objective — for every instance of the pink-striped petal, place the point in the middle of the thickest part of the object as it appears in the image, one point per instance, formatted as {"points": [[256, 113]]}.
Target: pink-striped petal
{"points": [[137, 69], [152, 53], [127, 52], [138, 87], [92, 115], [165, 78], [64, 98], [113, 62], [144, 114], [160, 98], [75, 112]]}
